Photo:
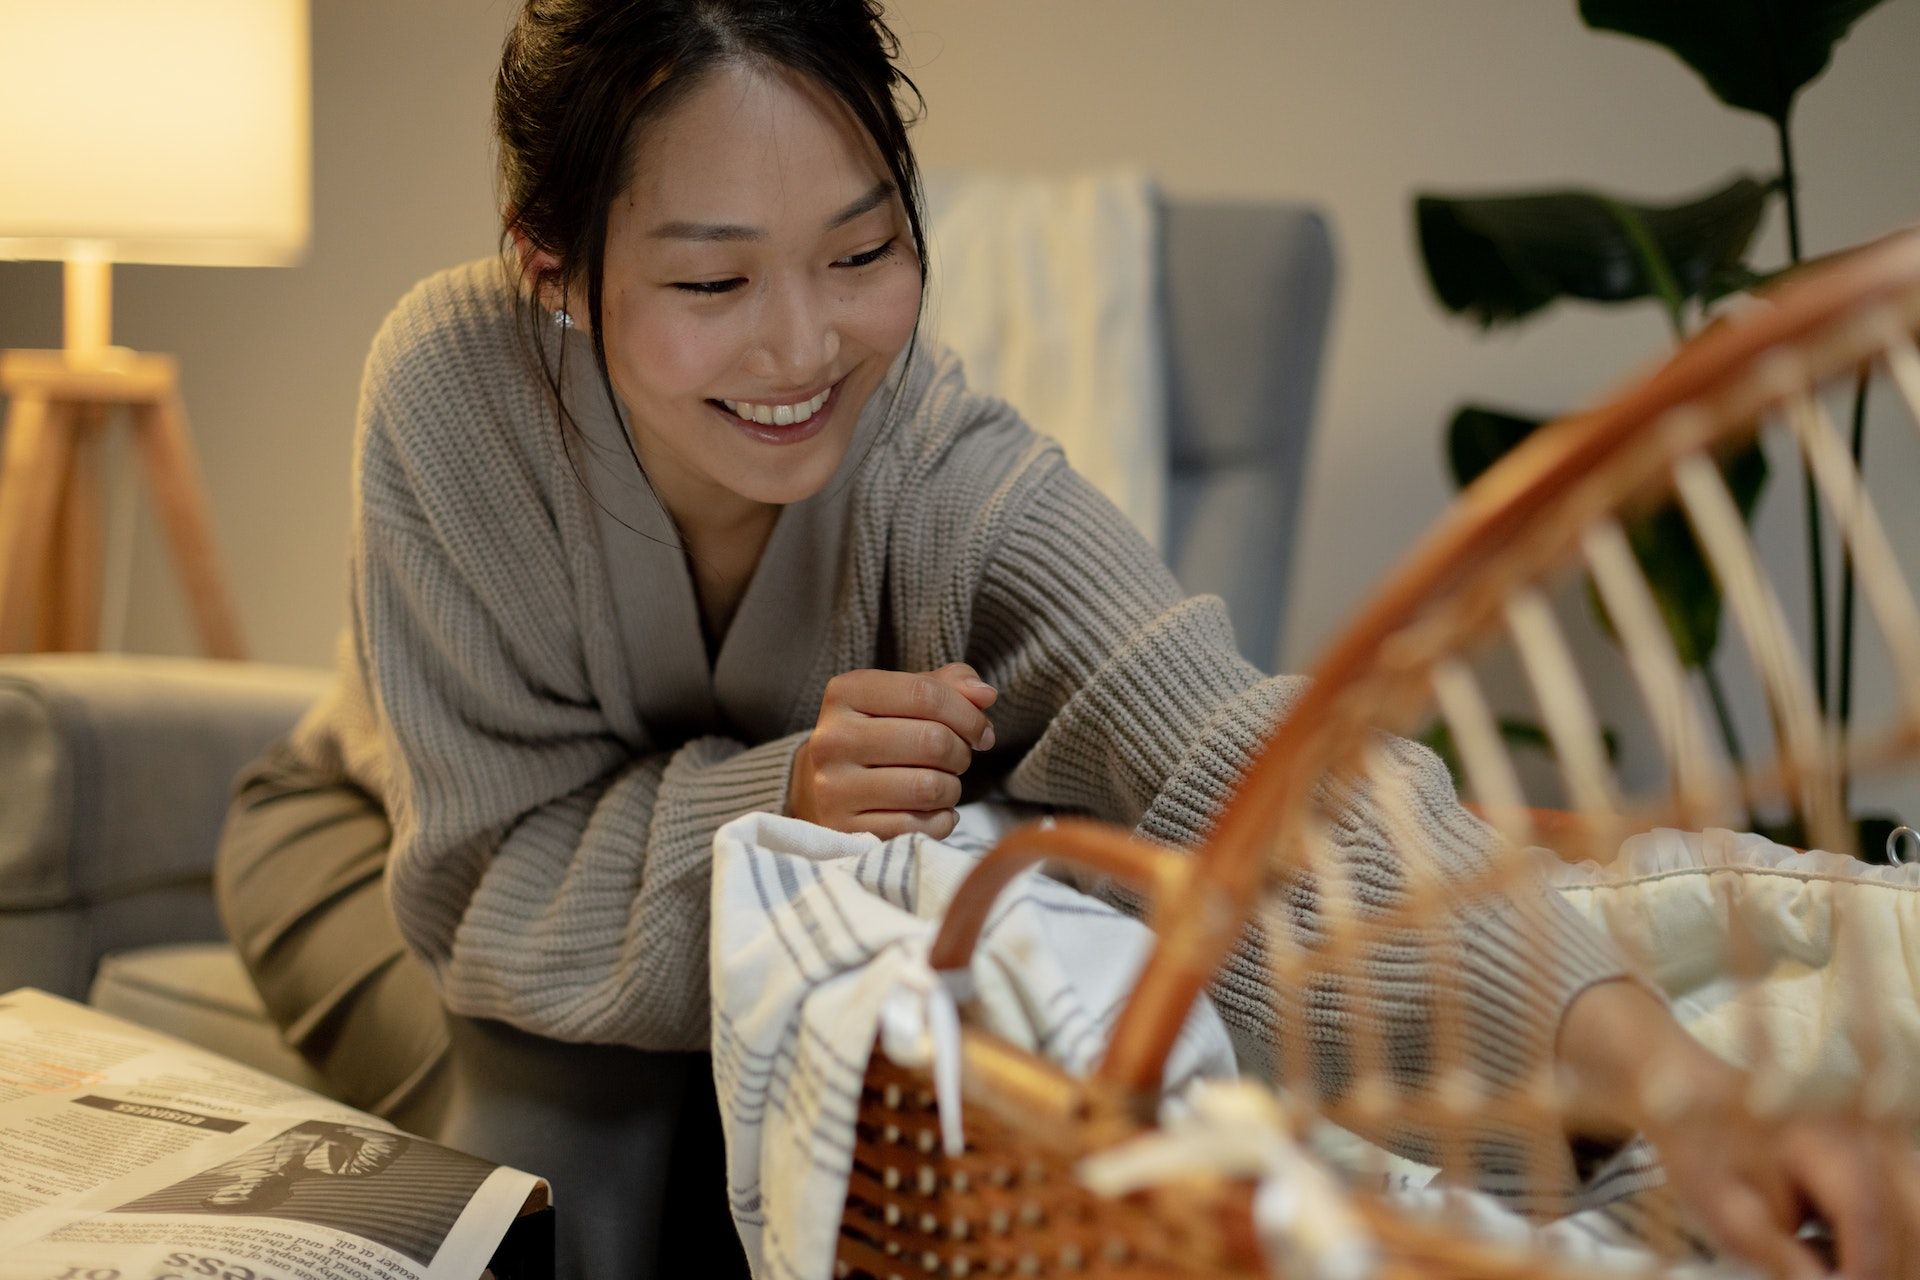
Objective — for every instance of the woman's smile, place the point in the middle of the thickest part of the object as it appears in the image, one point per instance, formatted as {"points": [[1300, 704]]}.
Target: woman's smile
{"points": [[782, 422]]}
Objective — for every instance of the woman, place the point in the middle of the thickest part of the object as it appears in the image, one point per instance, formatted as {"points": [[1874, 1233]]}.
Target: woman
{"points": [[674, 521]]}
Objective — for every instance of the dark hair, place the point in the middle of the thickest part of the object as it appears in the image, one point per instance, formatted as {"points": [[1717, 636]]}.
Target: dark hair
{"points": [[578, 78]]}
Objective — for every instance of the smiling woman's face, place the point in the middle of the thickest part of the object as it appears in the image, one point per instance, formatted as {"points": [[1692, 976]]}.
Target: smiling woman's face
{"points": [[760, 259]]}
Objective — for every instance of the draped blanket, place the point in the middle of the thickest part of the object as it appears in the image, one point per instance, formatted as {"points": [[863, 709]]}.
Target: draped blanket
{"points": [[818, 939], [1049, 290]]}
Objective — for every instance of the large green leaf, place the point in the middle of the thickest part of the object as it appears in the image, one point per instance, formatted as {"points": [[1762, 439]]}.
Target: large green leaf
{"points": [[1676, 569], [1478, 437], [1754, 54], [1501, 258], [1738, 278]]}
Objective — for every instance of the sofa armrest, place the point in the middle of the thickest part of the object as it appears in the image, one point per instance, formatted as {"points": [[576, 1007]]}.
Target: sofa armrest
{"points": [[114, 779]]}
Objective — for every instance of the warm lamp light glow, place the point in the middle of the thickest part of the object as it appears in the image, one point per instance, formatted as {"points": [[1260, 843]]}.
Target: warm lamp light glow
{"points": [[164, 131]]}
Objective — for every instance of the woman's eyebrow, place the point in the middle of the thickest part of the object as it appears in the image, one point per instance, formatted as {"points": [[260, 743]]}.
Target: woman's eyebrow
{"points": [[719, 231]]}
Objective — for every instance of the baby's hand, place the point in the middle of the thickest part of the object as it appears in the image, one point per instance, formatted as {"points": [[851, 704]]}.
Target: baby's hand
{"points": [[888, 750]]}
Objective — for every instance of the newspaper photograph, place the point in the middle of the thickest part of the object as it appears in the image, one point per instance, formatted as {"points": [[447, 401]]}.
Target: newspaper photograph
{"points": [[128, 1155]]}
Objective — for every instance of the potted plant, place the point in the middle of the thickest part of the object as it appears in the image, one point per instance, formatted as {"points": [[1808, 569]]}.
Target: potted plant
{"points": [[1502, 257]]}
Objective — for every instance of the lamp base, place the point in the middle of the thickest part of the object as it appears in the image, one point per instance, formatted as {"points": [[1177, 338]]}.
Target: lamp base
{"points": [[50, 503]]}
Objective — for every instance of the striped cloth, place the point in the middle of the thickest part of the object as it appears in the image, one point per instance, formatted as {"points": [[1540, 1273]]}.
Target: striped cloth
{"points": [[814, 932]]}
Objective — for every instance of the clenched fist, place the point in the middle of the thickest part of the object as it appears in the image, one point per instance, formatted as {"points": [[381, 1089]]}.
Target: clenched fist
{"points": [[888, 750]]}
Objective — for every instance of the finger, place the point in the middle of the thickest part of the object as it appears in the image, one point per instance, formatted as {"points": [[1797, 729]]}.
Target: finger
{"points": [[915, 696], [890, 823], [1737, 1217], [911, 790], [1839, 1172], [1904, 1205], [968, 682], [924, 744]]}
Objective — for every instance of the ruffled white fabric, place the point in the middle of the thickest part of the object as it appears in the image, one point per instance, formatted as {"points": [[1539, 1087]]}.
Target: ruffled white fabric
{"points": [[1306, 1225], [1811, 959]]}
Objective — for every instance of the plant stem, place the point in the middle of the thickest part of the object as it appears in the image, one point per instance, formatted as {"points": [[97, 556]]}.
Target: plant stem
{"points": [[1654, 263], [1660, 275], [1816, 548], [1844, 701], [1817, 582], [1790, 189], [1728, 734]]}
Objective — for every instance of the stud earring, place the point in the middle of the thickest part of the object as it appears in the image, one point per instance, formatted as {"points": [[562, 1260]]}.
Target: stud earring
{"points": [[562, 318]]}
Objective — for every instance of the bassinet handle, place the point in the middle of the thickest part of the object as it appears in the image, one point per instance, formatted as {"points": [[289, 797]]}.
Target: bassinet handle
{"points": [[1162, 875], [1157, 872]]}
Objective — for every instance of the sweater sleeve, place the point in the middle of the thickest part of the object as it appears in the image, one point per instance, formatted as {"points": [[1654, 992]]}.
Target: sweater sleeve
{"points": [[1132, 702], [552, 874]]}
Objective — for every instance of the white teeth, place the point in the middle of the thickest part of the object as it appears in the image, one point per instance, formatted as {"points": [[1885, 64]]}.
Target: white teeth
{"points": [[778, 415]]}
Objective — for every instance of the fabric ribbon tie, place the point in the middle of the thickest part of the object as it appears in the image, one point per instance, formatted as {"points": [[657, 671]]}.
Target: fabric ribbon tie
{"points": [[920, 1025], [1235, 1129]]}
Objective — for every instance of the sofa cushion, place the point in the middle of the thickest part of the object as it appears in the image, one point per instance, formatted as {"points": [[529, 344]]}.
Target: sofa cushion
{"points": [[114, 774], [200, 993]]}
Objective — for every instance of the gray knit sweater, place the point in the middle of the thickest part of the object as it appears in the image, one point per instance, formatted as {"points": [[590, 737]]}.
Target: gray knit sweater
{"points": [[523, 681]]}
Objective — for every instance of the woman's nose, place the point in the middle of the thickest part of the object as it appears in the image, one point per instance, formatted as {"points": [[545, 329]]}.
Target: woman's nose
{"points": [[797, 341]]}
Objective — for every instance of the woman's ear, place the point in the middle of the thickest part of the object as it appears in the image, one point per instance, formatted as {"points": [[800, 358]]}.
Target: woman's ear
{"points": [[539, 270]]}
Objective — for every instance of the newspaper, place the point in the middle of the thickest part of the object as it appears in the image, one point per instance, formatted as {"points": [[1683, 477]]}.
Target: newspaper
{"points": [[128, 1155]]}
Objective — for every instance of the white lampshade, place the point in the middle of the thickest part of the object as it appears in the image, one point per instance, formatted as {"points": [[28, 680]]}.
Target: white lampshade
{"points": [[168, 131]]}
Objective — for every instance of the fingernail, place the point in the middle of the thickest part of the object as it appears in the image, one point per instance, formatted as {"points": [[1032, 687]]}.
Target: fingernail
{"points": [[978, 684], [986, 739]]}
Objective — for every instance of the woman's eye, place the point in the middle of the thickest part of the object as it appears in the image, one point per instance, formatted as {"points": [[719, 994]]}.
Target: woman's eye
{"points": [[868, 258], [711, 288]]}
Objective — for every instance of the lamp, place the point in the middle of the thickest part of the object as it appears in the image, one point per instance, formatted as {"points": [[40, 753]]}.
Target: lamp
{"points": [[155, 131]]}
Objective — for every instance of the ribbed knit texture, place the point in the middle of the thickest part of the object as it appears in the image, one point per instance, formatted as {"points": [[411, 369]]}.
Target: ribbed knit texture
{"points": [[550, 857]]}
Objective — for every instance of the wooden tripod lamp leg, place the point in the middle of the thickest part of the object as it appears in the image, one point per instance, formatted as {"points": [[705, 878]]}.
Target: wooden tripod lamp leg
{"points": [[179, 499], [72, 616], [32, 473]]}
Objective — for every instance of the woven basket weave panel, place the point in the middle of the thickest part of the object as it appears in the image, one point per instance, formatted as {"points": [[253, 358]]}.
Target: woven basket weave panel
{"points": [[1010, 1206]]}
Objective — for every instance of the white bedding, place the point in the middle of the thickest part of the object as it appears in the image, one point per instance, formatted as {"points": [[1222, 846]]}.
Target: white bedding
{"points": [[1677, 902]]}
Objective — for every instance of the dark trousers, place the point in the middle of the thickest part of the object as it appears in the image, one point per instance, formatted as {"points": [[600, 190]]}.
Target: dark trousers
{"points": [[630, 1140]]}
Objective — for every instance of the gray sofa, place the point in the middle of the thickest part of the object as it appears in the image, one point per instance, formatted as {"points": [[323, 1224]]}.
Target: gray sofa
{"points": [[113, 784], [115, 770]]}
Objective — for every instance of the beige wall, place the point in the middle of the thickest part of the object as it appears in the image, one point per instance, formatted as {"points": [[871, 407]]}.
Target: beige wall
{"points": [[1353, 105]]}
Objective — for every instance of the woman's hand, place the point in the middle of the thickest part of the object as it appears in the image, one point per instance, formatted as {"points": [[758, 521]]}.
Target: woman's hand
{"points": [[1753, 1181], [888, 750], [1750, 1180]]}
